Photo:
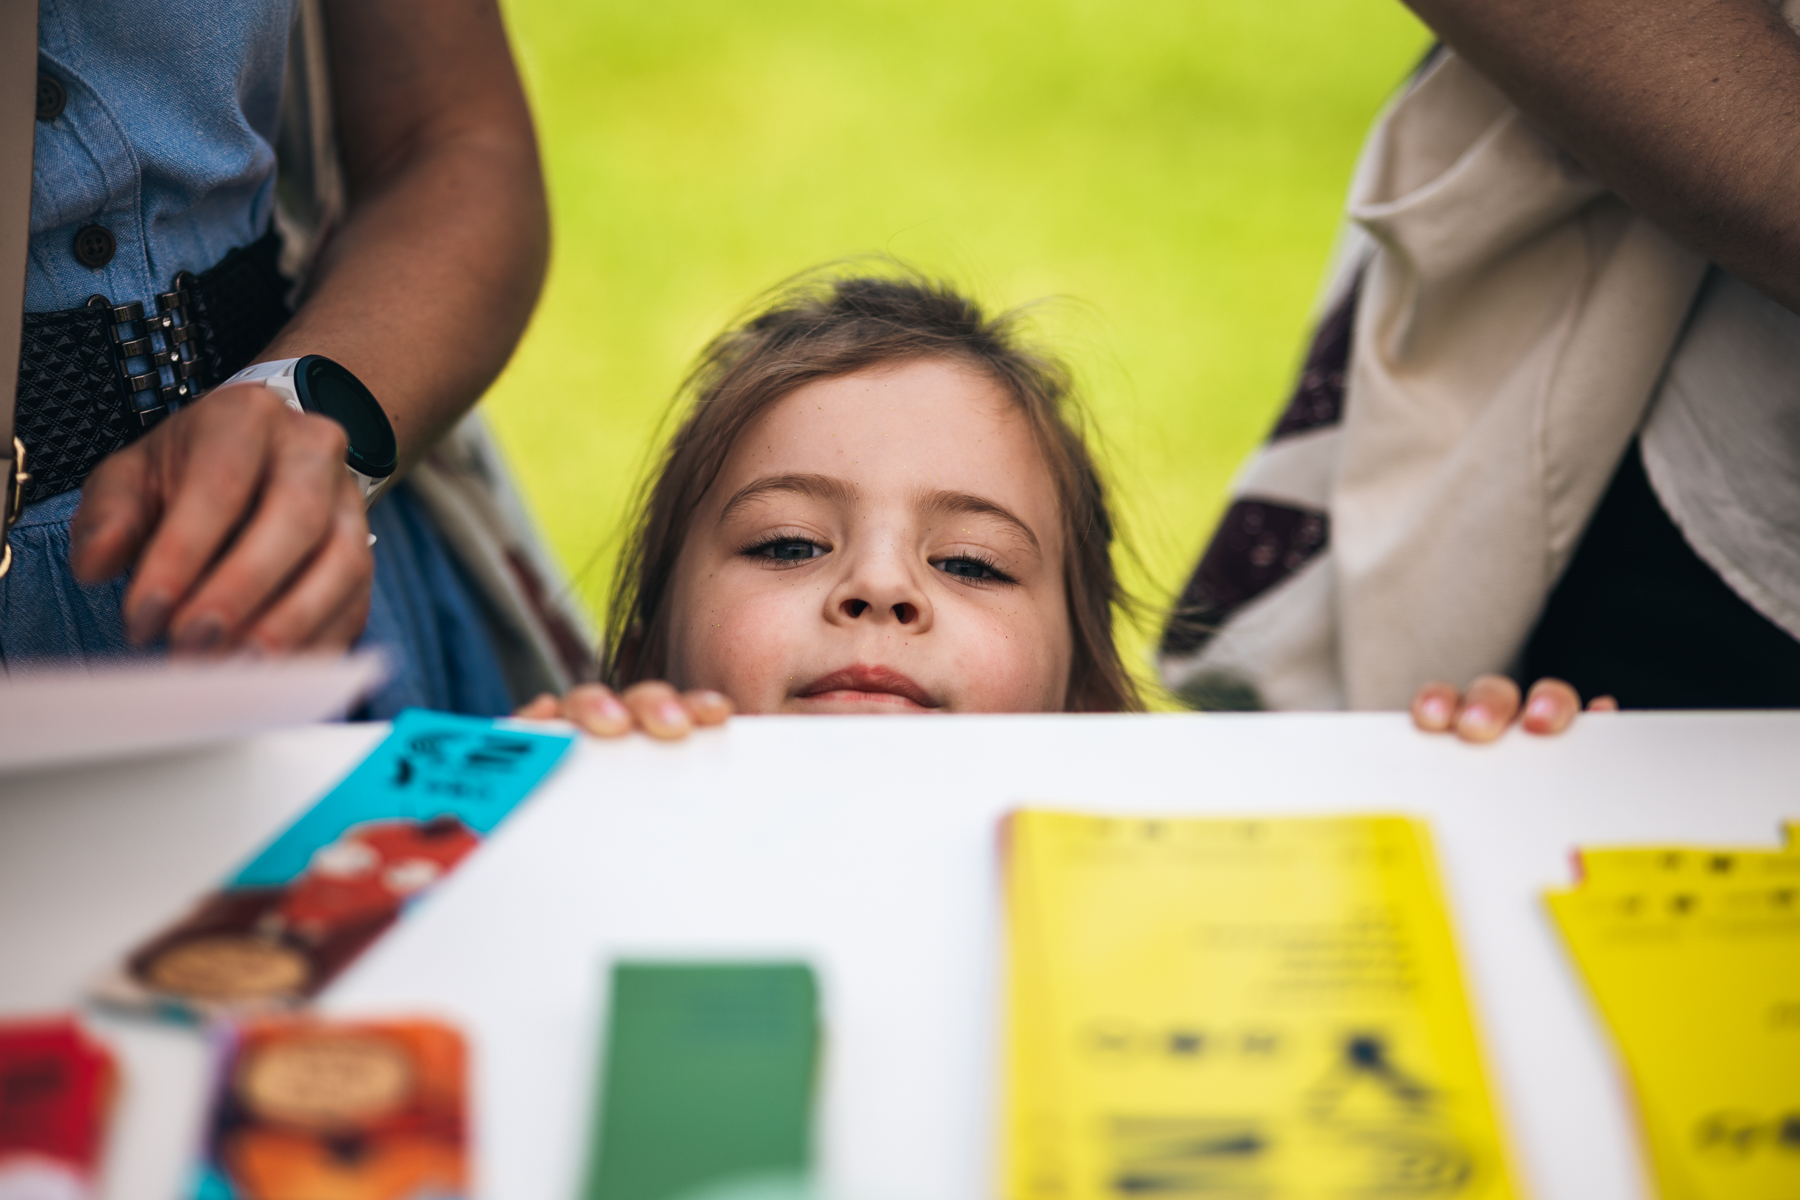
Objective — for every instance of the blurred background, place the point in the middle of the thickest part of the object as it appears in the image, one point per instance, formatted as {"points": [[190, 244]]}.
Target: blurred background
{"points": [[1169, 175]]}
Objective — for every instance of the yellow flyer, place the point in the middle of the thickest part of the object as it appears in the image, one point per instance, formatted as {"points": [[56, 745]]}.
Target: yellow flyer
{"points": [[1266, 1009], [1693, 958], [1036, 1130], [1662, 867]]}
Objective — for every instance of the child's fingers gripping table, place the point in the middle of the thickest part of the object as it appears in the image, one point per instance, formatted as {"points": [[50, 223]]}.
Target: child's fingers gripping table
{"points": [[652, 707]]}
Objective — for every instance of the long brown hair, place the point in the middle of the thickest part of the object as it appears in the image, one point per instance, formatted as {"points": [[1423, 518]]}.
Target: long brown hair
{"points": [[820, 326]]}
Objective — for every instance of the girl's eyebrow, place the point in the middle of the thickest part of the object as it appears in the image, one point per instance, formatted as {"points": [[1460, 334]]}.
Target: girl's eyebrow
{"points": [[817, 487], [956, 504]]}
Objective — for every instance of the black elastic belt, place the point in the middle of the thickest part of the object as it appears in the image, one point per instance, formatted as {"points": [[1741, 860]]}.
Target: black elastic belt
{"points": [[93, 379]]}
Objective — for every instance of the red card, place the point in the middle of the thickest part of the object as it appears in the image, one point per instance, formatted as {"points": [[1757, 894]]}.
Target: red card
{"points": [[55, 1091]]}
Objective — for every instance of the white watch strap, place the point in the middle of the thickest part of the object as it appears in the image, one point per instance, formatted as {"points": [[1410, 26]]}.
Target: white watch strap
{"points": [[261, 372]]}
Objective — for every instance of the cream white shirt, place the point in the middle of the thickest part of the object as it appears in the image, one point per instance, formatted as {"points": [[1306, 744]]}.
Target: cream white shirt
{"points": [[1722, 443]]}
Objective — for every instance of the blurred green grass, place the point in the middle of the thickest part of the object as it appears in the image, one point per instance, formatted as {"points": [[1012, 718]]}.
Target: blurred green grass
{"points": [[1171, 172]]}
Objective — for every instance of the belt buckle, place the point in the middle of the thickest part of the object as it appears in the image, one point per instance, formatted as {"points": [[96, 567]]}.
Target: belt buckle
{"points": [[14, 501]]}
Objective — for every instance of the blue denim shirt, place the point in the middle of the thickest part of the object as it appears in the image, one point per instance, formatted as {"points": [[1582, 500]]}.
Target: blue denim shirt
{"points": [[165, 140]]}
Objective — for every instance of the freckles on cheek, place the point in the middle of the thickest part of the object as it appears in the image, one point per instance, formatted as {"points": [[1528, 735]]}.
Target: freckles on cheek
{"points": [[742, 650], [1015, 667]]}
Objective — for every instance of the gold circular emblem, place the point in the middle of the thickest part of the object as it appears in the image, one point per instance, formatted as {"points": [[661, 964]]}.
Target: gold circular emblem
{"points": [[325, 1080], [230, 967]]}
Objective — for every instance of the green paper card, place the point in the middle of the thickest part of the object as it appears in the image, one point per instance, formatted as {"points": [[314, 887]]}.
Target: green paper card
{"points": [[708, 1082]]}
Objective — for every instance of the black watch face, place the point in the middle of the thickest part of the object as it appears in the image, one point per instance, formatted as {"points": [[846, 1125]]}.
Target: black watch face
{"points": [[332, 391]]}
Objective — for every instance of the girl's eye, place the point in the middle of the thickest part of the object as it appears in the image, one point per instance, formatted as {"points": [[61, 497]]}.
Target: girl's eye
{"points": [[787, 550], [964, 567]]}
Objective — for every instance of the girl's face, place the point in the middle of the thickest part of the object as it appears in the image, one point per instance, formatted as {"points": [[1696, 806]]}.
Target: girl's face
{"points": [[883, 542]]}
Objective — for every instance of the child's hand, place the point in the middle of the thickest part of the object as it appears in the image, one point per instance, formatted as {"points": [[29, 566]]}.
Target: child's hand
{"points": [[652, 706], [1493, 701]]}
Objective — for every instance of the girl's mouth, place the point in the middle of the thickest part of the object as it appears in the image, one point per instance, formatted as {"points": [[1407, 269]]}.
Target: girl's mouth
{"points": [[873, 688]]}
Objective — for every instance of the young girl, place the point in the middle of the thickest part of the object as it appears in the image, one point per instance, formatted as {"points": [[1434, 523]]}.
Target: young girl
{"points": [[878, 502]]}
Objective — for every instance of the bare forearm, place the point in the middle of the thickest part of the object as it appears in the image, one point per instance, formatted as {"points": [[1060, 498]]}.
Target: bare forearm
{"points": [[424, 291], [1689, 109], [425, 288]]}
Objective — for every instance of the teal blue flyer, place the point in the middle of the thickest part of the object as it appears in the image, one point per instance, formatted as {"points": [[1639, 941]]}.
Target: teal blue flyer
{"points": [[432, 765], [331, 884]]}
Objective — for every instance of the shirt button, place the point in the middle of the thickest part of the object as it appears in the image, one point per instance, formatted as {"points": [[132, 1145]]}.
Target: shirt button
{"points": [[94, 245], [50, 98]]}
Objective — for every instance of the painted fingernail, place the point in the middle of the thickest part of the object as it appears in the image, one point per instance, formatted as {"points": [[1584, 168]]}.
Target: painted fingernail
{"points": [[1436, 710], [1541, 708], [200, 635], [147, 618]]}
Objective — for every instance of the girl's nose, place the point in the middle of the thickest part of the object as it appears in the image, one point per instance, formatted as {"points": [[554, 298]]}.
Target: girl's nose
{"points": [[881, 588], [903, 612]]}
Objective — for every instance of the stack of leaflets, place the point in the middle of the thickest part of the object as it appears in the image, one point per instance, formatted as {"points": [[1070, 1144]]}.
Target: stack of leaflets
{"points": [[1260, 1008], [1693, 957]]}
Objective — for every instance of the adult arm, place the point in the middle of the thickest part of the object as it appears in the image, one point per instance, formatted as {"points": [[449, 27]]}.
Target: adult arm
{"points": [[237, 513], [425, 290], [1688, 109]]}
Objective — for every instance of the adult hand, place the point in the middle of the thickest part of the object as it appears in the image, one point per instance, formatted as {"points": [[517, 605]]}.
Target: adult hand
{"points": [[652, 706], [243, 525], [1491, 704]]}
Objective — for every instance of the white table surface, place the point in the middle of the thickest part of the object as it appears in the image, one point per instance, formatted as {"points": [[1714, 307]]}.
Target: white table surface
{"points": [[865, 846]]}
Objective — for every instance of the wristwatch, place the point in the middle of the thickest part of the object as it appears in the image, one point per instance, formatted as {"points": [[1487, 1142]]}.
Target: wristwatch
{"points": [[315, 384]]}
